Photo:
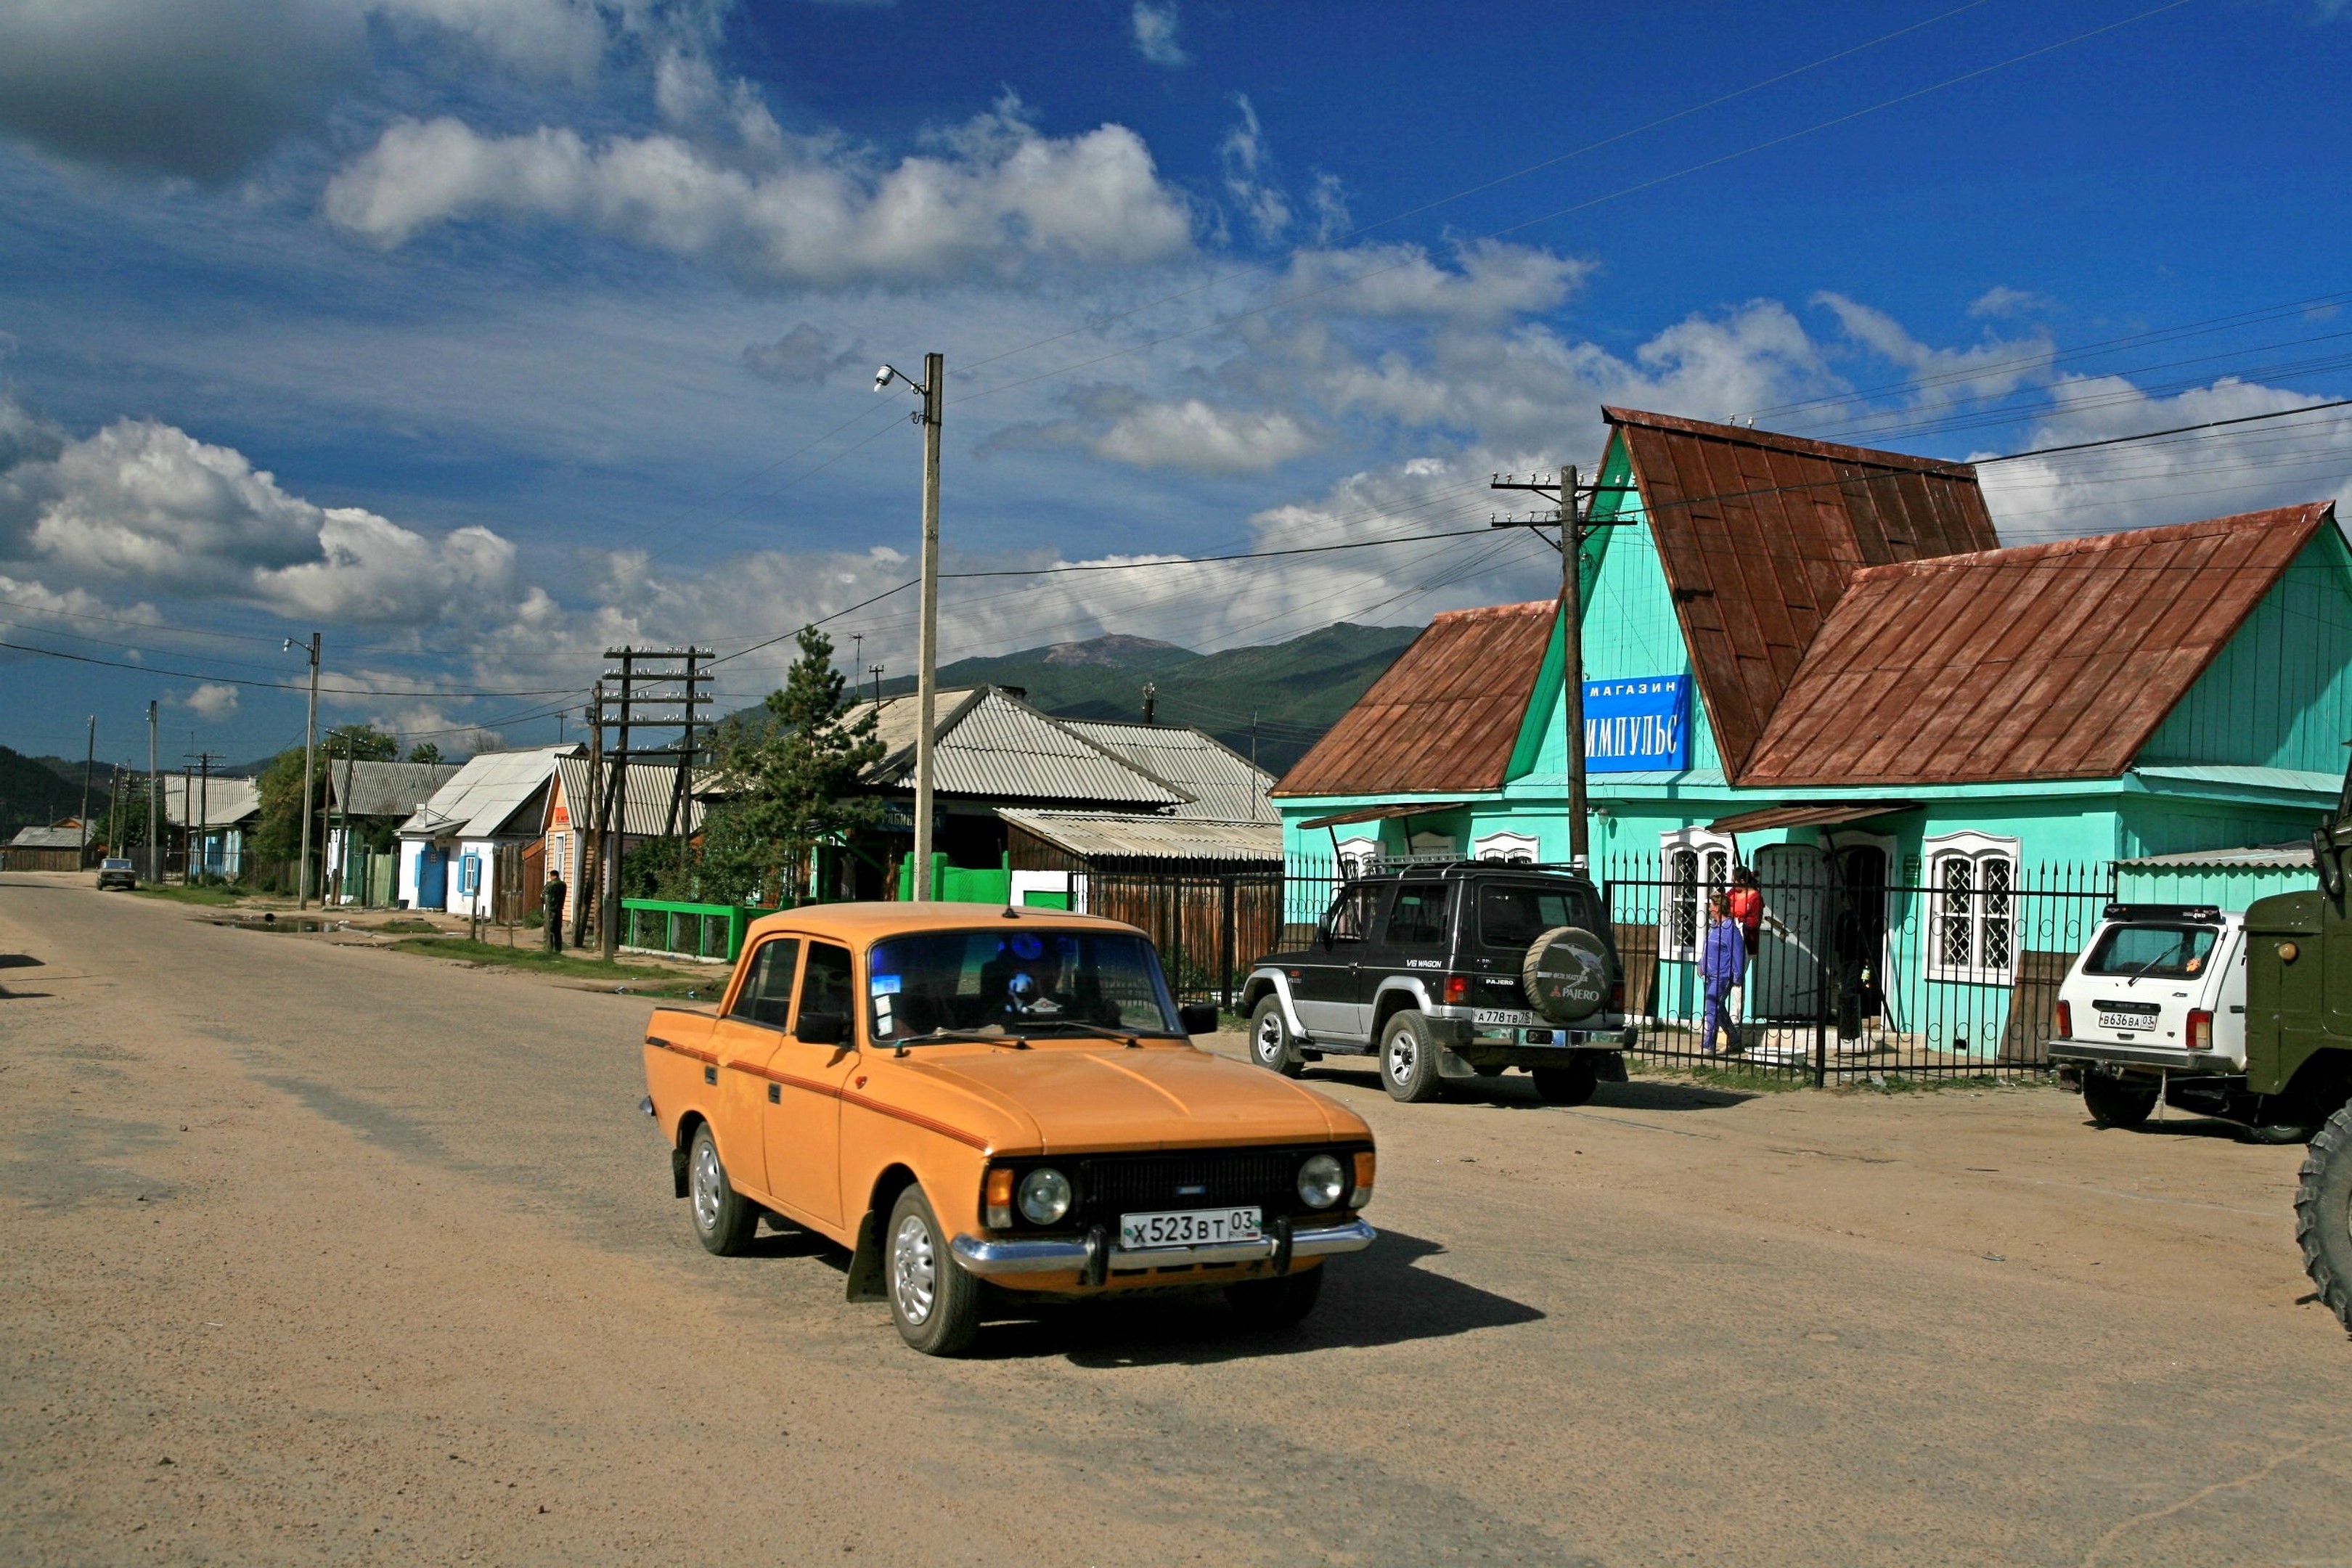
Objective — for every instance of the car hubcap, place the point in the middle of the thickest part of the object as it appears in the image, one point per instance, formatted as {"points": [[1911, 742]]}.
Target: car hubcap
{"points": [[1269, 1040], [706, 1186], [914, 1273], [1400, 1057]]}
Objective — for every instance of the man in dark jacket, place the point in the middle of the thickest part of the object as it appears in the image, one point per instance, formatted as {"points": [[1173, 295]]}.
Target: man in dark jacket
{"points": [[556, 891]]}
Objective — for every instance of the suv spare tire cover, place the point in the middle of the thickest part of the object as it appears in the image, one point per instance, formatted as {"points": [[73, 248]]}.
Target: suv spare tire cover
{"points": [[1566, 974]]}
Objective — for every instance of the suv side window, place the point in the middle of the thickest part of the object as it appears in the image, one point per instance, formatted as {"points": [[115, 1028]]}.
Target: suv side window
{"points": [[767, 995], [826, 989], [1513, 915], [1350, 919], [1418, 917]]}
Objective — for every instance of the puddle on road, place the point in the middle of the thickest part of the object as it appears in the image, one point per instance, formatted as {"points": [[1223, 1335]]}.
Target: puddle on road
{"points": [[272, 923]]}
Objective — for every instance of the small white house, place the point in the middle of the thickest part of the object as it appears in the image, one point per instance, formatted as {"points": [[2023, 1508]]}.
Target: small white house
{"points": [[450, 848]]}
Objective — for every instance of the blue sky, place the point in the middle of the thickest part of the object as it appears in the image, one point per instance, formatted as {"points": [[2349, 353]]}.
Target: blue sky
{"points": [[483, 334]]}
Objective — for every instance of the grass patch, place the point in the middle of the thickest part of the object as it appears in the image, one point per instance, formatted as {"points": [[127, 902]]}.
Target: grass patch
{"points": [[412, 927], [638, 981], [1749, 1079], [208, 893]]}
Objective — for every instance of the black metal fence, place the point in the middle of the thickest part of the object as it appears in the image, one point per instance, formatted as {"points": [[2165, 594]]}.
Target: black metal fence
{"points": [[1854, 972]]}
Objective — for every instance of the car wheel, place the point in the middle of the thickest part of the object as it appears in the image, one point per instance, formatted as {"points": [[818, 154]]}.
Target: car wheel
{"points": [[723, 1220], [2323, 1214], [1271, 1044], [933, 1299], [1569, 1085], [2118, 1101], [1267, 1304], [1408, 1059]]}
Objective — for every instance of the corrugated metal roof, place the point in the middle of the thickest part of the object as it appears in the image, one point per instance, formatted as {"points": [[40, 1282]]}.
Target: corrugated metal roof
{"points": [[995, 747], [218, 802], [644, 803], [1446, 714], [2046, 661], [2244, 776], [1223, 783], [40, 837], [2261, 857], [385, 789], [1113, 836], [483, 794], [1759, 535]]}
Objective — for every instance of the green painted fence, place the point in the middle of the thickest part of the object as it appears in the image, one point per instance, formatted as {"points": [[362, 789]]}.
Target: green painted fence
{"points": [[710, 931]]}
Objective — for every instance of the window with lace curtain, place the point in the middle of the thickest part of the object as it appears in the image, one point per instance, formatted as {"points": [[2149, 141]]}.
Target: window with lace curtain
{"points": [[1971, 907], [1697, 863]]}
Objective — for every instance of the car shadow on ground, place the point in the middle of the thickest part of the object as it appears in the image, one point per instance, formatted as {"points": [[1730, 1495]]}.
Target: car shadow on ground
{"points": [[19, 960], [1516, 1091], [1376, 1297]]}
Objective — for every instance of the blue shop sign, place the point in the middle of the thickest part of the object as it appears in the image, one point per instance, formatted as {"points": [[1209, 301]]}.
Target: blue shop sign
{"points": [[1637, 725]]}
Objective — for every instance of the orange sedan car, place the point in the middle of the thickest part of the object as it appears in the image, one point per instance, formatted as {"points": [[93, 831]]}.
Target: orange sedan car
{"points": [[978, 1100]]}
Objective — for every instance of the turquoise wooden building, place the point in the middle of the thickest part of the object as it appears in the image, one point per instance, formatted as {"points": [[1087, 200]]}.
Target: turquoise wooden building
{"points": [[1818, 660]]}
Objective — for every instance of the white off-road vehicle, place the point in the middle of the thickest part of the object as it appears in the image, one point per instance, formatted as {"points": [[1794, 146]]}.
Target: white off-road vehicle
{"points": [[2155, 1008]]}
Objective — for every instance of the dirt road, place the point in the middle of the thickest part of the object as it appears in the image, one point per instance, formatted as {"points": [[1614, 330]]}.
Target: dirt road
{"points": [[322, 1255]]}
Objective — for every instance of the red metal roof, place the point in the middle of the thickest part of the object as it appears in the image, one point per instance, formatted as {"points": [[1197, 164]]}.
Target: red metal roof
{"points": [[1446, 714], [1759, 535], [2046, 661]]}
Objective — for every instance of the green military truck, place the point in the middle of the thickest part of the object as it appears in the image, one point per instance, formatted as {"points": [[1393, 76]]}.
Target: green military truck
{"points": [[2299, 1045]]}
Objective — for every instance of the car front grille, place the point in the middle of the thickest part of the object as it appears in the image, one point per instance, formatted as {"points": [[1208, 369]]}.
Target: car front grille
{"points": [[1111, 1185]]}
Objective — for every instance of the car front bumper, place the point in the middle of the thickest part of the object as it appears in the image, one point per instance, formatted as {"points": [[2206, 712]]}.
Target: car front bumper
{"points": [[2114, 1054], [993, 1260]]}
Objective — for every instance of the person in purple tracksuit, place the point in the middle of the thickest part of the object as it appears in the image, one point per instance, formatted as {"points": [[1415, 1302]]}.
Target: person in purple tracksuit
{"points": [[1722, 957]]}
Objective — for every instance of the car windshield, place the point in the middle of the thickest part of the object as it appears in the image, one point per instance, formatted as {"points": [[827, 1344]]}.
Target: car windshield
{"points": [[1513, 914], [116, 865], [2160, 952], [1024, 981]]}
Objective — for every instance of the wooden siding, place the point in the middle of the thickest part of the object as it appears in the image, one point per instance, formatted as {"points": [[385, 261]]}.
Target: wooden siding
{"points": [[2280, 694]]}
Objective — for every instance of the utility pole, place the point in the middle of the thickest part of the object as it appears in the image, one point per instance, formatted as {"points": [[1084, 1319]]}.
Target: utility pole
{"points": [[88, 760], [1574, 530], [876, 671], [154, 804], [310, 756], [201, 823], [616, 819], [932, 389], [1151, 700]]}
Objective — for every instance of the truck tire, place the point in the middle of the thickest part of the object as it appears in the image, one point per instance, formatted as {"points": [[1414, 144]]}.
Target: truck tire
{"points": [[2115, 1101], [2323, 1214], [1271, 1045], [934, 1299], [1408, 1059], [723, 1219], [1264, 1305], [1572, 1084]]}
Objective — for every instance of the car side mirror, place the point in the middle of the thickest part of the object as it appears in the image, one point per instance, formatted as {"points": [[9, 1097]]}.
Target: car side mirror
{"points": [[821, 1028], [1198, 1018], [2323, 861], [1323, 931]]}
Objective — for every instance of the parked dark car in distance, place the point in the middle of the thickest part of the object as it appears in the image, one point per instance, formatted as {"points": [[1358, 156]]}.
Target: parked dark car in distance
{"points": [[1421, 967], [113, 873]]}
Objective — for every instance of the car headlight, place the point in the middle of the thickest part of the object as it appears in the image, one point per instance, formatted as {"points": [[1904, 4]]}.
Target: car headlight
{"points": [[1322, 1182], [1045, 1195]]}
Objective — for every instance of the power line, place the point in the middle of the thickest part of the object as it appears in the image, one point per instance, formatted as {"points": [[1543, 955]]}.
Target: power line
{"points": [[277, 685]]}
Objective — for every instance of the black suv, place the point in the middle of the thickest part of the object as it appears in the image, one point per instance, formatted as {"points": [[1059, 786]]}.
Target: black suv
{"points": [[1423, 966]]}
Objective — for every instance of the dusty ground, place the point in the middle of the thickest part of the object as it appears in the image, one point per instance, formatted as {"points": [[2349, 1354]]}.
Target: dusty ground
{"points": [[321, 1254]]}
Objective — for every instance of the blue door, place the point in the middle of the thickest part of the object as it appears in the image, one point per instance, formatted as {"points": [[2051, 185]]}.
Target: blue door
{"points": [[432, 878]]}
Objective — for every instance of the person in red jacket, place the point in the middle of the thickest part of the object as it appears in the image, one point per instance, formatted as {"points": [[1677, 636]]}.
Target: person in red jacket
{"points": [[1747, 900]]}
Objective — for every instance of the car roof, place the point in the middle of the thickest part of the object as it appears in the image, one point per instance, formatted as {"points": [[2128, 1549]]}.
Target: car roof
{"points": [[857, 923]]}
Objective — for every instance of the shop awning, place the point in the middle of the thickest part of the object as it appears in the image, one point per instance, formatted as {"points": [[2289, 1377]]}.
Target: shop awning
{"points": [[1383, 812], [1768, 817]]}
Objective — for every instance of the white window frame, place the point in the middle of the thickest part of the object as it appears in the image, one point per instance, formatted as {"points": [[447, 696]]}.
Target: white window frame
{"points": [[1972, 939], [1358, 857], [1706, 858], [1512, 849]]}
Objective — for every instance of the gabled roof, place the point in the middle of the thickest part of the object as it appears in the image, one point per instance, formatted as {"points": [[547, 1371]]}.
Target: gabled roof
{"points": [[37, 837], [1759, 535], [644, 802], [994, 746], [2046, 661], [384, 789], [1223, 785], [1446, 714], [1109, 836], [218, 802], [483, 796]]}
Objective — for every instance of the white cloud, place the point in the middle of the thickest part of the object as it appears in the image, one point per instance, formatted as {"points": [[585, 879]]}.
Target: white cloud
{"points": [[145, 504], [803, 357], [211, 701], [1192, 434], [1994, 368], [2003, 300], [994, 195], [1155, 34], [1247, 165]]}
